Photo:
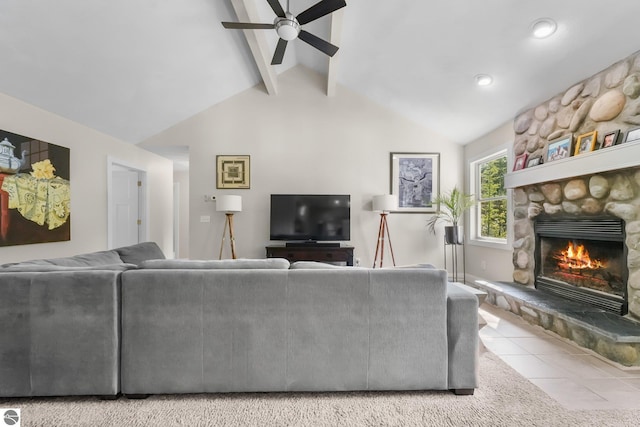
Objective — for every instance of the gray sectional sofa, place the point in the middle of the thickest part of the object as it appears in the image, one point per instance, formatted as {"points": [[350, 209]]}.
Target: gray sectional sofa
{"points": [[235, 326]]}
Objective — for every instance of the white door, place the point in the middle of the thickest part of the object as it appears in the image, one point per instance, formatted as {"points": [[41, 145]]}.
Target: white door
{"points": [[125, 208]]}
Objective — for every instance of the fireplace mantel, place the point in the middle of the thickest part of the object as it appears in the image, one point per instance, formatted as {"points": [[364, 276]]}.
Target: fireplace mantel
{"points": [[617, 157]]}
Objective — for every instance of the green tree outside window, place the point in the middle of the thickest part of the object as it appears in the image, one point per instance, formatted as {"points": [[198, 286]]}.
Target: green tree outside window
{"points": [[492, 199]]}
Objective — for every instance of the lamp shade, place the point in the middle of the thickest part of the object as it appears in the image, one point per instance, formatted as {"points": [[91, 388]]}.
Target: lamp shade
{"points": [[385, 203], [229, 203]]}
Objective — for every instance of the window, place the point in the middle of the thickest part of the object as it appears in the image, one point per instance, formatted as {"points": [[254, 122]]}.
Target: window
{"points": [[489, 224]]}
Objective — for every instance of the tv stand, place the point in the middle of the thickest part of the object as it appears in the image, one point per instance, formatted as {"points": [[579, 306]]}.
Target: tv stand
{"points": [[313, 252], [312, 244]]}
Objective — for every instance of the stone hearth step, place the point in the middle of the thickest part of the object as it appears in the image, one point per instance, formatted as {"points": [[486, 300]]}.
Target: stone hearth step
{"points": [[615, 337]]}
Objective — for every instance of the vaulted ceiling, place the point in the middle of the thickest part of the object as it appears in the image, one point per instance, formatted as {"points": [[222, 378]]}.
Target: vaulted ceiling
{"points": [[132, 68]]}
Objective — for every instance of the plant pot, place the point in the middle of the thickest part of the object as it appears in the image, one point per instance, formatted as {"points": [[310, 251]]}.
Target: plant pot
{"points": [[453, 235]]}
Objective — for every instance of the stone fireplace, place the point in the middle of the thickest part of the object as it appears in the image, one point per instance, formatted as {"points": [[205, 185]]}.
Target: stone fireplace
{"points": [[596, 214], [576, 220], [553, 200]]}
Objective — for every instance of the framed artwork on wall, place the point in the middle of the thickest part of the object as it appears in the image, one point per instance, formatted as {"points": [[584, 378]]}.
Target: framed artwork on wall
{"points": [[559, 148], [586, 142], [35, 192], [233, 172], [415, 180]]}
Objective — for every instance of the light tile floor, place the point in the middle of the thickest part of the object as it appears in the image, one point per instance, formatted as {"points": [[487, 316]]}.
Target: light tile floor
{"points": [[575, 377]]}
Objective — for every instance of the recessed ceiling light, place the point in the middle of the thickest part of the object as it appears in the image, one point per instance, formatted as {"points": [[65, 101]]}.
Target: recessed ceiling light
{"points": [[483, 79], [543, 28]]}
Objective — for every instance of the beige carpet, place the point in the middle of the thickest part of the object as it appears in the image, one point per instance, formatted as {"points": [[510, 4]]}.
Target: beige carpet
{"points": [[504, 399]]}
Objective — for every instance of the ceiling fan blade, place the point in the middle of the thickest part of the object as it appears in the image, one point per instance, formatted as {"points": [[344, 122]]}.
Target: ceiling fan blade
{"points": [[279, 53], [319, 10], [277, 8], [318, 43], [247, 26]]}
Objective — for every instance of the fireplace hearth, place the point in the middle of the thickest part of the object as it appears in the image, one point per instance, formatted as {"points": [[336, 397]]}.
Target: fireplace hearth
{"points": [[583, 259]]}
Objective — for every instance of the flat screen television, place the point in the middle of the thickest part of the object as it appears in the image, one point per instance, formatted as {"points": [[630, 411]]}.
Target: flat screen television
{"points": [[310, 217]]}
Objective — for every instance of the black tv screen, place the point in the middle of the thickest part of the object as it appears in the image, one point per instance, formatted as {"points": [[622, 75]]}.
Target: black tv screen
{"points": [[310, 217]]}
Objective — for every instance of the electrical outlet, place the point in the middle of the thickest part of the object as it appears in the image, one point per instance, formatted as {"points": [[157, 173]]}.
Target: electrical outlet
{"points": [[483, 265], [357, 262], [205, 218], [209, 198]]}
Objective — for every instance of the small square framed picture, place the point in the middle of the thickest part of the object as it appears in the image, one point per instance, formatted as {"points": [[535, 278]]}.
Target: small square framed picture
{"points": [[586, 142], [559, 148], [535, 161], [610, 139], [521, 162], [233, 172], [632, 135]]}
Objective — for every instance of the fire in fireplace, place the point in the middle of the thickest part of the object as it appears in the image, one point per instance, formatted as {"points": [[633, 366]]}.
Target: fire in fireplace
{"points": [[583, 260], [572, 262]]}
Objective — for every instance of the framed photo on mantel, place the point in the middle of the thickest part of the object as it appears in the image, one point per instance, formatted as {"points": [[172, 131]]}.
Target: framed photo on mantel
{"points": [[559, 148], [521, 162], [586, 142], [610, 139], [415, 179], [632, 135]]}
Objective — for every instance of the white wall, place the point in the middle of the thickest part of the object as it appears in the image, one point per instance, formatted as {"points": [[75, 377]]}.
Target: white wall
{"points": [[182, 178], [89, 150], [302, 141], [498, 262]]}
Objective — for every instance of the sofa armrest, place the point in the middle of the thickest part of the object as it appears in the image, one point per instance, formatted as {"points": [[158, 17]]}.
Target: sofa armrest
{"points": [[462, 334]]}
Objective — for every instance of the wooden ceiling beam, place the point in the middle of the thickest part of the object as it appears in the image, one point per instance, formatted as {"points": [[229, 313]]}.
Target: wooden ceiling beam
{"points": [[335, 38], [247, 12]]}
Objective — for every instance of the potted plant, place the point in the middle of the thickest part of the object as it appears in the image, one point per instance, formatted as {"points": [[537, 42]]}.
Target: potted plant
{"points": [[452, 205]]}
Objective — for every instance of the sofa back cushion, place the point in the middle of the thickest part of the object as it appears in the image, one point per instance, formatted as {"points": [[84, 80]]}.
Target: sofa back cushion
{"points": [[135, 254], [83, 260], [20, 268], [225, 264], [314, 265]]}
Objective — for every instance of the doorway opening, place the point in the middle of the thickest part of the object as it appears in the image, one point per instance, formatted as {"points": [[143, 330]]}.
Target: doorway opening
{"points": [[126, 204]]}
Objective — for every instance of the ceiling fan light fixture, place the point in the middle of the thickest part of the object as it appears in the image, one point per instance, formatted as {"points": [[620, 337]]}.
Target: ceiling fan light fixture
{"points": [[543, 28], [287, 28], [483, 79]]}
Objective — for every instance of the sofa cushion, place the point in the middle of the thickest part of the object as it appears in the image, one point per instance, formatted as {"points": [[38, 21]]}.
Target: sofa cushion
{"points": [[417, 266], [228, 264], [83, 260], [313, 265], [20, 268], [137, 253]]}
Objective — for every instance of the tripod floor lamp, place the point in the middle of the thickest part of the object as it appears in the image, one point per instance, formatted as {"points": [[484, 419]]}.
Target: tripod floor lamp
{"points": [[229, 205], [384, 204]]}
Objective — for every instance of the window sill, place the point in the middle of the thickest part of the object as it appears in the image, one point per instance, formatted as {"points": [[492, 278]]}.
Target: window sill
{"points": [[501, 245]]}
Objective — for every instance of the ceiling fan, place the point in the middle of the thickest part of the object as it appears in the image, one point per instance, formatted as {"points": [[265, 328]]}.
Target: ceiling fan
{"points": [[289, 28]]}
